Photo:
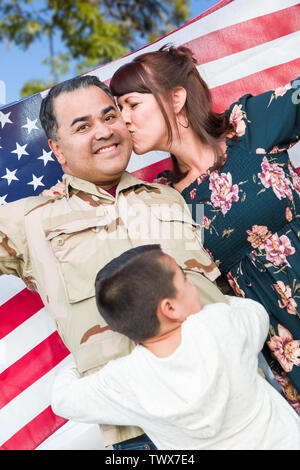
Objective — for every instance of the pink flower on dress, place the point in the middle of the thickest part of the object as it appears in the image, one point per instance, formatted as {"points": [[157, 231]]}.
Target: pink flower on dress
{"points": [[280, 91], [288, 214], [235, 286], [273, 176], [287, 300], [285, 349], [223, 192], [206, 221], [237, 119], [296, 179], [289, 390], [193, 193], [277, 248], [260, 151]]}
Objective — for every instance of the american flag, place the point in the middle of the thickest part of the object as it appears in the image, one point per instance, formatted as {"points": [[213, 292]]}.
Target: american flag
{"points": [[241, 47]]}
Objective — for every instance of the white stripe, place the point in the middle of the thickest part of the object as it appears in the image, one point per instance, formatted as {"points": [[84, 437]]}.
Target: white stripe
{"points": [[138, 162], [9, 286], [249, 61], [26, 336], [26, 406]]}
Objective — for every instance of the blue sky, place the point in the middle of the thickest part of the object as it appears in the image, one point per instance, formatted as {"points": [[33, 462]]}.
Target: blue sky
{"points": [[18, 66]]}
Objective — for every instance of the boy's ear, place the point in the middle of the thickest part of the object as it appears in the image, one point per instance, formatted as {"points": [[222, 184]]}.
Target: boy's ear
{"points": [[178, 98], [167, 309], [55, 147]]}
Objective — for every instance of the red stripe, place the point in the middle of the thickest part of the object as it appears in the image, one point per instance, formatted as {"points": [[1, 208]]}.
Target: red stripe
{"points": [[238, 37], [255, 83], [149, 172], [31, 367], [35, 432], [18, 309]]}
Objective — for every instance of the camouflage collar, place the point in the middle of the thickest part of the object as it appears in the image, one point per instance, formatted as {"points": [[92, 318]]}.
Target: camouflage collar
{"points": [[72, 182]]}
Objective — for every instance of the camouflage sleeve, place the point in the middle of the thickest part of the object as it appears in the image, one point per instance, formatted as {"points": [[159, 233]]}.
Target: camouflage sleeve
{"points": [[12, 239]]}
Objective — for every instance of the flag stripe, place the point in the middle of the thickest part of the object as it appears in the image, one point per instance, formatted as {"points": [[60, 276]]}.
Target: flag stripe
{"points": [[37, 362], [254, 83], [37, 430], [9, 286], [18, 309], [149, 173], [24, 408], [230, 16], [249, 61], [27, 336], [238, 37]]}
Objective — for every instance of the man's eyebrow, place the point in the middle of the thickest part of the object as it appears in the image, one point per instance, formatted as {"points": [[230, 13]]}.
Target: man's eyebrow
{"points": [[88, 117], [80, 119]]}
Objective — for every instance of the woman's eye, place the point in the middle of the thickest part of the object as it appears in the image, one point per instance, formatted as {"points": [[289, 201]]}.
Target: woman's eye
{"points": [[133, 105]]}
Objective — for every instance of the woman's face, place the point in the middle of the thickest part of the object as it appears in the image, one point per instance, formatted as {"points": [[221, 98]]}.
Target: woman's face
{"points": [[144, 121]]}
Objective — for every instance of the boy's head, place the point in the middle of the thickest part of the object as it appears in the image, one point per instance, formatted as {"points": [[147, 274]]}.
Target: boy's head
{"points": [[142, 292]]}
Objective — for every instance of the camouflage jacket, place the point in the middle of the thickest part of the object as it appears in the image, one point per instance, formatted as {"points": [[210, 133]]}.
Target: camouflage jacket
{"points": [[57, 246]]}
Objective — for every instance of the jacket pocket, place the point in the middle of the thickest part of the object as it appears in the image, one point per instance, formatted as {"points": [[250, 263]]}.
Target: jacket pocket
{"points": [[80, 251]]}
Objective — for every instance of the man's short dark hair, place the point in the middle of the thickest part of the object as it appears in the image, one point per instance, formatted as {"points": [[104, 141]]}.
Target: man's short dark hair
{"points": [[47, 115], [129, 288]]}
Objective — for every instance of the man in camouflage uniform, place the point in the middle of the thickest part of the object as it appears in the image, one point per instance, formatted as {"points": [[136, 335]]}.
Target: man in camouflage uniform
{"points": [[58, 244]]}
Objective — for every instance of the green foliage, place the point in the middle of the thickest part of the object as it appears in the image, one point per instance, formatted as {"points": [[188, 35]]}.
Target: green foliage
{"points": [[92, 31]]}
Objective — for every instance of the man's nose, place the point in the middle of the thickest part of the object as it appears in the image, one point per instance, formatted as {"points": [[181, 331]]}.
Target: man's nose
{"points": [[103, 130]]}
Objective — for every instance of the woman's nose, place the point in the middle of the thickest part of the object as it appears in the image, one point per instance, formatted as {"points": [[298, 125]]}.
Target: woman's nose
{"points": [[126, 115]]}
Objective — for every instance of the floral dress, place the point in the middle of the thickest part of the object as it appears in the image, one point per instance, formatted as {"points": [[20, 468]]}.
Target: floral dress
{"points": [[252, 220]]}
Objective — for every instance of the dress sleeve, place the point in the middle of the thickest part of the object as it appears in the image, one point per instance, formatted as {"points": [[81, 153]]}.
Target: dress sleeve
{"points": [[269, 122]]}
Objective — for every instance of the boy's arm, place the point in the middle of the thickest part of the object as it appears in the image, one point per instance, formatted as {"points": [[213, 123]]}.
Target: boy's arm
{"points": [[96, 398], [251, 319]]}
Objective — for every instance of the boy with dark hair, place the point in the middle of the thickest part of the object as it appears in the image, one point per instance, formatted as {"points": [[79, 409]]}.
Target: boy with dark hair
{"points": [[192, 382]]}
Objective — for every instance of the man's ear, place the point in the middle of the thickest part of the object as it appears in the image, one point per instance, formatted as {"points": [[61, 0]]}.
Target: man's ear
{"points": [[178, 98], [55, 147], [166, 307]]}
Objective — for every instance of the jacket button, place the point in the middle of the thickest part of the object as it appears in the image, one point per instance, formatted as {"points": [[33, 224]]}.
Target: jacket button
{"points": [[60, 241]]}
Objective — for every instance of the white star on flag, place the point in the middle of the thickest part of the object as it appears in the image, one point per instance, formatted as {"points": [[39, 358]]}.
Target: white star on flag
{"points": [[2, 200], [36, 181], [10, 176], [4, 119], [20, 150], [46, 157], [30, 125]]}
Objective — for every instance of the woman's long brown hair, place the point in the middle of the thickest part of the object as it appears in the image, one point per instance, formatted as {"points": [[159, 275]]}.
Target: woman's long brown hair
{"points": [[161, 71]]}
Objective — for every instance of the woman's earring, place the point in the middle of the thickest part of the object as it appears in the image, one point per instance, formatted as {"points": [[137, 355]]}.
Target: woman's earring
{"points": [[182, 125]]}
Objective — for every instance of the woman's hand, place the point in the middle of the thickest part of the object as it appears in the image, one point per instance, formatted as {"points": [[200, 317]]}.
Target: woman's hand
{"points": [[58, 189]]}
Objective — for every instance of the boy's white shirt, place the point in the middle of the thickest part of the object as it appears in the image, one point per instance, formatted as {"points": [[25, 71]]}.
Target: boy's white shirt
{"points": [[206, 395]]}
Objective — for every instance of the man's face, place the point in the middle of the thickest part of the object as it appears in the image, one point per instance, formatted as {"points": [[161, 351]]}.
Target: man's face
{"points": [[93, 141]]}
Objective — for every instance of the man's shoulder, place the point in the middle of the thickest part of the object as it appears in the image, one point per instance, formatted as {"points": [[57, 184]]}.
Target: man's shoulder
{"points": [[159, 189], [17, 210]]}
